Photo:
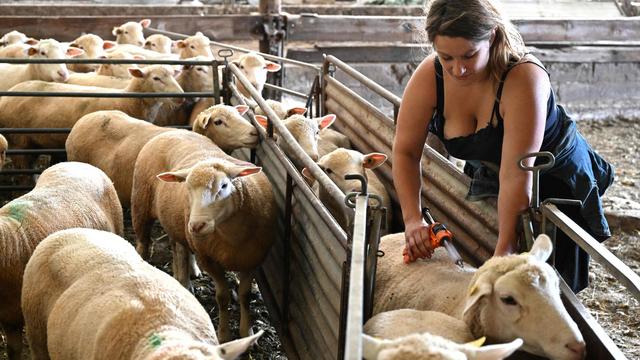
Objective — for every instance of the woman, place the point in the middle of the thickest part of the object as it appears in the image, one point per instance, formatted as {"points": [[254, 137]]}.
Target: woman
{"points": [[491, 103]]}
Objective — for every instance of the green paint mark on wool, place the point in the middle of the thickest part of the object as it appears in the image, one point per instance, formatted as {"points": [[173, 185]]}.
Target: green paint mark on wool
{"points": [[155, 340], [18, 209]]}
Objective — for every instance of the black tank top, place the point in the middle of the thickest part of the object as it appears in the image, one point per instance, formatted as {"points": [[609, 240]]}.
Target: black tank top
{"points": [[486, 143]]}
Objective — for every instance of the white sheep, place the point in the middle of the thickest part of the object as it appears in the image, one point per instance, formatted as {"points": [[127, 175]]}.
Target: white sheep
{"points": [[402, 322], [142, 52], [515, 296], [304, 130], [15, 51], [67, 195], [4, 146], [330, 140], [283, 111], [131, 32], [94, 48], [94, 79], [88, 295], [16, 37], [117, 70], [222, 209], [12, 74], [194, 45], [426, 346], [159, 43], [111, 140], [341, 162]]}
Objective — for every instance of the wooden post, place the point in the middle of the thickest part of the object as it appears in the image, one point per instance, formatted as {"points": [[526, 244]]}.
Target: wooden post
{"points": [[274, 29]]}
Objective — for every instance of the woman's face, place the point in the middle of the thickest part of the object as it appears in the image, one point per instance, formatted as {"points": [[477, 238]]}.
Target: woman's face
{"points": [[464, 60]]}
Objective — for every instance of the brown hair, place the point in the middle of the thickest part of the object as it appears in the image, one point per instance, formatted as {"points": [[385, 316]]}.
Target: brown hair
{"points": [[475, 20]]}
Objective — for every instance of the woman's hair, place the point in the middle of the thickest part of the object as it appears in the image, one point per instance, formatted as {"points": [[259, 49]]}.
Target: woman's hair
{"points": [[475, 20]]}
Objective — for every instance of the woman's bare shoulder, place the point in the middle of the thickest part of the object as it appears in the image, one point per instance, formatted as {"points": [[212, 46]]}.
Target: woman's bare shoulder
{"points": [[423, 81]]}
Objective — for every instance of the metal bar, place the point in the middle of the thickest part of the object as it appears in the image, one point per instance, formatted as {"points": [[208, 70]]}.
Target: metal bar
{"points": [[103, 61], [20, 171], [35, 151], [318, 174], [372, 85], [285, 90], [286, 264], [599, 253], [106, 94], [353, 335]]}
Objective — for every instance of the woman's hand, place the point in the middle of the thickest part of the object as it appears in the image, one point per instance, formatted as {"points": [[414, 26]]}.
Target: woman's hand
{"points": [[504, 248], [418, 244]]}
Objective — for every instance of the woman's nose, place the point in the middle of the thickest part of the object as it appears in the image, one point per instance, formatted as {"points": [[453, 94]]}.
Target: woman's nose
{"points": [[459, 69]]}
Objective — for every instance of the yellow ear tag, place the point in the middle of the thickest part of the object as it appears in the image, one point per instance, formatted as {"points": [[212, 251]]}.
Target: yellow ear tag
{"points": [[473, 289], [477, 343]]}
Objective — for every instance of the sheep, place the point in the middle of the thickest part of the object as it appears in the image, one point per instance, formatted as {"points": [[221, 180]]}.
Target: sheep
{"points": [[225, 212], [330, 140], [280, 109], [87, 294], [12, 74], [402, 322], [4, 146], [433, 347], [117, 70], [93, 79], [147, 54], [305, 131], [131, 32], [159, 43], [507, 297], [111, 140], [255, 68], [195, 45], [94, 48], [38, 112], [67, 195], [341, 162], [15, 51], [16, 37], [192, 78]]}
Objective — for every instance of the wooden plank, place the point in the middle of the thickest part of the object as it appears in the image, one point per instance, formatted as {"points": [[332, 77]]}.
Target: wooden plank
{"points": [[405, 53], [67, 28], [401, 29]]}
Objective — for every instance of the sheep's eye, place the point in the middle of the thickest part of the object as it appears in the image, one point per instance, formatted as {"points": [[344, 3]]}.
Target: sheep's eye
{"points": [[217, 122], [241, 67], [509, 300], [328, 171], [43, 53], [156, 78], [126, 32], [201, 69], [193, 47], [224, 186]]}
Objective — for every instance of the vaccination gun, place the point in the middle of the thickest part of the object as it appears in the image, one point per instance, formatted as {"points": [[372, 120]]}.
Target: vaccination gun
{"points": [[439, 235]]}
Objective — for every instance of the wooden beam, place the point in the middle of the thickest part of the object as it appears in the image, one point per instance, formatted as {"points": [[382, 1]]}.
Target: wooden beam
{"points": [[406, 53], [67, 28]]}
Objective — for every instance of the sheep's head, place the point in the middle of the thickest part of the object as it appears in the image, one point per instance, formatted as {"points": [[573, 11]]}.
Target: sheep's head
{"points": [[432, 347], [194, 350], [280, 109], [211, 185], [51, 49], [255, 68], [518, 296], [117, 70], [94, 47], [16, 37], [341, 162], [196, 78], [159, 43], [195, 45], [156, 78], [226, 127], [131, 32]]}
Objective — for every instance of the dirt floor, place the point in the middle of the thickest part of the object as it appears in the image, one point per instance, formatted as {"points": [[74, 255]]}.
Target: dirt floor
{"points": [[607, 300]]}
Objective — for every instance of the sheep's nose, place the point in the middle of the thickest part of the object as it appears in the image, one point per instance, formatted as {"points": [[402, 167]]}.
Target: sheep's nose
{"points": [[63, 75], [254, 133], [578, 348], [196, 227]]}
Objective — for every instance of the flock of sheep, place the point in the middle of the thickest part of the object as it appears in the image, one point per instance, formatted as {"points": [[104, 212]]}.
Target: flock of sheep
{"points": [[83, 292]]}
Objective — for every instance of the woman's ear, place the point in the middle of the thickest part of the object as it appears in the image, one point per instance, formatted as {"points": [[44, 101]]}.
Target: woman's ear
{"points": [[493, 36]]}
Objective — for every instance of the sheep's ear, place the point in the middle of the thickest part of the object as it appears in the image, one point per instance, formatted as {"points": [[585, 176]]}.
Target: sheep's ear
{"points": [[296, 110], [32, 51], [108, 44], [31, 41], [307, 174], [176, 72], [175, 176], [477, 343], [136, 72], [239, 171], [273, 67], [145, 23], [138, 57], [233, 349], [242, 109], [497, 351], [181, 44], [116, 31], [371, 346], [203, 119], [326, 121], [262, 120], [373, 160], [541, 248], [72, 51], [483, 286]]}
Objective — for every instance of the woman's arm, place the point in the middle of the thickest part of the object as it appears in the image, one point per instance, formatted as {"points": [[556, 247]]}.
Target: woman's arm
{"points": [[416, 110], [524, 110]]}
